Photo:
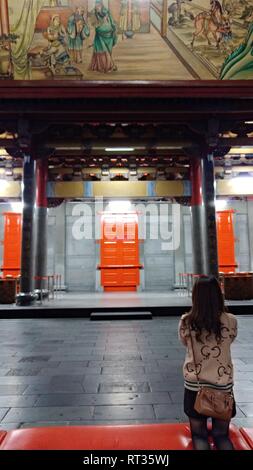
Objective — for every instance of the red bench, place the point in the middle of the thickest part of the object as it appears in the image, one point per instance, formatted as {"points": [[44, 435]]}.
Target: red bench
{"points": [[2, 435], [126, 437], [248, 436]]}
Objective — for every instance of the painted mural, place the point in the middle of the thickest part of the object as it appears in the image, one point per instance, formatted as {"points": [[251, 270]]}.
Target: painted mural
{"points": [[126, 39]]}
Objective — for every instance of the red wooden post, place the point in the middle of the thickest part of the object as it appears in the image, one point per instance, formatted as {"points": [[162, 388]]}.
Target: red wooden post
{"points": [[4, 15]]}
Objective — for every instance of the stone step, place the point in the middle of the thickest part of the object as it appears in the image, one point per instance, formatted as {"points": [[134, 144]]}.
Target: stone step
{"points": [[130, 315]]}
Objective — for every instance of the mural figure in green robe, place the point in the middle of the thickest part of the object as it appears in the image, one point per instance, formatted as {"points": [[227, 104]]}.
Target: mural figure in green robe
{"points": [[78, 30], [104, 40]]}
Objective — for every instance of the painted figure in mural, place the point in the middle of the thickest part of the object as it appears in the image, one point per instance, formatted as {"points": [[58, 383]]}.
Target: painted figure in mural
{"points": [[210, 22], [136, 21], [104, 40], [57, 50], [123, 18], [78, 30], [175, 10], [54, 3], [130, 17], [226, 31]]}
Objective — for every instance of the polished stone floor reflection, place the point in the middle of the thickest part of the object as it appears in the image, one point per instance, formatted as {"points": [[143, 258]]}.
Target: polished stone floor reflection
{"points": [[74, 371], [105, 300]]}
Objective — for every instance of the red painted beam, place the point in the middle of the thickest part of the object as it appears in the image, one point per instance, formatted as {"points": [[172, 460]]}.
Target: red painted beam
{"points": [[49, 89]]}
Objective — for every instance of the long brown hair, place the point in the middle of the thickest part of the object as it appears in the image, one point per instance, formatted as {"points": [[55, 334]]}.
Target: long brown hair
{"points": [[207, 307]]}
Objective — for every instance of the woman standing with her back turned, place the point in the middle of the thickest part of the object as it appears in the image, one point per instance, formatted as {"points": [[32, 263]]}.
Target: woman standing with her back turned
{"points": [[212, 331]]}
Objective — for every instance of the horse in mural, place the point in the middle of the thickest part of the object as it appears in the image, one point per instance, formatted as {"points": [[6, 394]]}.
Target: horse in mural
{"points": [[211, 22]]}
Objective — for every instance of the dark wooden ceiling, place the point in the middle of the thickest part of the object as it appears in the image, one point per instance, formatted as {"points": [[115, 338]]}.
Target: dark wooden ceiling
{"points": [[167, 124]]}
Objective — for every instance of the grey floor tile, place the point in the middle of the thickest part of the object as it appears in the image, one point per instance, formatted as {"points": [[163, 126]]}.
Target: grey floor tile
{"points": [[166, 385], [122, 362], [169, 411], [24, 380], [246, 408], [177, 397], [123, 369], [90, 387], [23, 372], [124, 412], [119, 387], [66, 379], [168, 369], [76, 357], [123, 356], [245, 368], [31, 359], [63, 371], [39, 350], [243, 375], [4, 371], [45, 424], [9, 426], [35, 414], [66, 363], [243, 385], [103, 399], [3, 412], [127, 377], [40, 365], [243, 422], [169, 362], [17, 400], [247, 360], [243, 396], [12, 389], [52, 341], [9, 364], [54, 388], [156, 356]]}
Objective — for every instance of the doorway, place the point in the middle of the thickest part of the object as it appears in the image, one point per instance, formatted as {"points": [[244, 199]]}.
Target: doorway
{"points": [[119, 252]]}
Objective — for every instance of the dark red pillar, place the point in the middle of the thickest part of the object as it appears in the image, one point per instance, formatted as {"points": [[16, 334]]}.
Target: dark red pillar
{"points": [[208, 178], [198, 217], [26, 295]]}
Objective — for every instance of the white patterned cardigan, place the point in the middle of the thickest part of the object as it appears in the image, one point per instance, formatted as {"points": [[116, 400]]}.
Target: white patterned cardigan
{"points": [[213, 358]]}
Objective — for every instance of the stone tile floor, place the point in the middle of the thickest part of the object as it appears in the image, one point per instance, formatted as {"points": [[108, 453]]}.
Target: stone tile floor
{"points": [[74, 371]]}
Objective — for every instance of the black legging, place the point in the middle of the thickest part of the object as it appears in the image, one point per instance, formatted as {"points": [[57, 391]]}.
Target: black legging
{"points": [[220, 434]]}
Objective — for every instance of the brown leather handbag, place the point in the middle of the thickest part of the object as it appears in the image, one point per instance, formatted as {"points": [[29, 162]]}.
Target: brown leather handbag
{"points": [[212, 402]]}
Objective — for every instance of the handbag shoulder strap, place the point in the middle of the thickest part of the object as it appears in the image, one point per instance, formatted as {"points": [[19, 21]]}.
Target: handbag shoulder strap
{"points": [[194, 360]]}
